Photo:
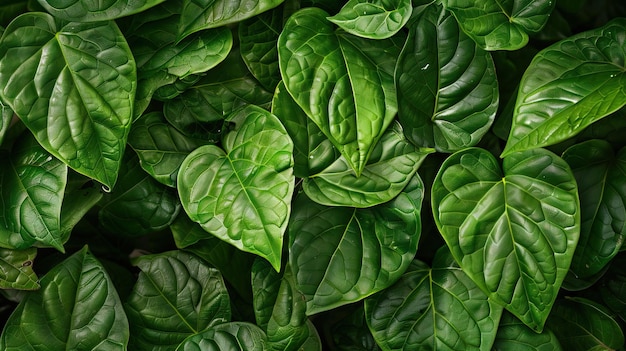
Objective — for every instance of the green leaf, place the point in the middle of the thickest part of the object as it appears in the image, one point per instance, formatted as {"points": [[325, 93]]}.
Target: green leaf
{"points": [[447, 87], [373, 19], [340, 255], [88, 11], [568, 86], [176, 295], [391, 166], [515, 335], [160, 147], [433, 309], [138, 205], [32, 185], [9, 9], [351, 333], [501, 25], [512, 230], [242, 193], [613, 287], [76, 204], [80, 106], [16, 269], [6, 117], [77, 308], [581, 325], [600, 176], [344, 83], [233, 336]]}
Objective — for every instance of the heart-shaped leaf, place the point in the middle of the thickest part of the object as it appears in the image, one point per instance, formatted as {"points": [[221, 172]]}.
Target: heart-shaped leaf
{"points": [[77, 308], [16, 269], [233, 336], [433, 309], [344, 83], [373, 19], [340, 255], [87, 11], [447, 87], [512, 334], [501, 25], [80, 106], [513, 229], [242, 193], [570, 85], [163, 313]]}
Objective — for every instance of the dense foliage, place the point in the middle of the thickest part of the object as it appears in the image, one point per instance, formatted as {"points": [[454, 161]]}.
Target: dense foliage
{"points": [[312, 174]]}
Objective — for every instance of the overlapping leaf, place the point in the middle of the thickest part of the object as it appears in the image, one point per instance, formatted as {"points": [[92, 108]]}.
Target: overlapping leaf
{"points": [[6, 116], [515, 335], [242, 193], [513, 229], [570, 85], [16, 269], [233, 336], [373, 19], [80, 106], [93, 11], [447, 87]]}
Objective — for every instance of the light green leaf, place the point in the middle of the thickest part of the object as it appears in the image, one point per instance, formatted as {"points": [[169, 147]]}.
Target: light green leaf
{"points": [[447, 87], [242, 193], [568, 86], [501, 25], [391, 166], [233, 336], [513, 229], [16, 269], [79, 108], [93, 11], [515, 335], [176, 295], [343, 83], [77, 308], [373, 19]]}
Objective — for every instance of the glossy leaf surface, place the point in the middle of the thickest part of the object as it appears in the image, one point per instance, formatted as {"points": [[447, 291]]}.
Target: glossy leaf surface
{"points": [[79, 108], [373, 19], [513, 229], [77, 308], [341, 255], [600, 175], [515, 335], [16, 269], [162, 314], [433, 309], [568, 86], [447, 87], [233, 336], [344, 83], [242, 193], [501, 25], [87, 11]]}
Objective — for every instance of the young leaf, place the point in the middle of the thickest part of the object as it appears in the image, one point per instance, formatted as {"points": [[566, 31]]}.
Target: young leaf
{"points": [[341, 255], [515, 335], [242, 193], [447, 88], [433, 309], [233, 336], [16, 269], [512, 230], [568, 86], [77, 308], [373, 19], [86, 11], [176, 295], [344, 83], [501, 25], [80, 106]]}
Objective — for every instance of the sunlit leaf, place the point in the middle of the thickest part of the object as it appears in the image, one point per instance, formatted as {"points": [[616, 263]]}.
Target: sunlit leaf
{"points": [[373, 19], [16, 269], [93, 11]]}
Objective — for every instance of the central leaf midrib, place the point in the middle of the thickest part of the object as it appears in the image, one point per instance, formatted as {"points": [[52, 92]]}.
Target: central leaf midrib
{"points": [[169, 303]]}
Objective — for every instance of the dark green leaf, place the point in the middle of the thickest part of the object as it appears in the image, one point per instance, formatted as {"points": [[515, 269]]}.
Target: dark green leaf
{"points": [[76, 204], [93, 11], [613, 288], [242, 193], [447, 88], [373, 19], [515, 335], [6, 117], [16, 269], [233, 336], [513, 229], [351, 332], [9, 9], [77, 308], [570, 85], [176, 295], [80, 106]]}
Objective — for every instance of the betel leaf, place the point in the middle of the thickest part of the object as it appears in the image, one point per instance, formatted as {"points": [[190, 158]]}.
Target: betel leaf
{"points": [[77, 308], [340, 255], [344, 83], [600, 175], [242, 193], [515, 335], [582, 324], [79, 108], [568, 86], [16, 269], [88, 11], [233, 336], [512, 228], [391, 166], [437, 308], [501, 25], [163, 313], [447, 87], [373, 19], [32, 185]]}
